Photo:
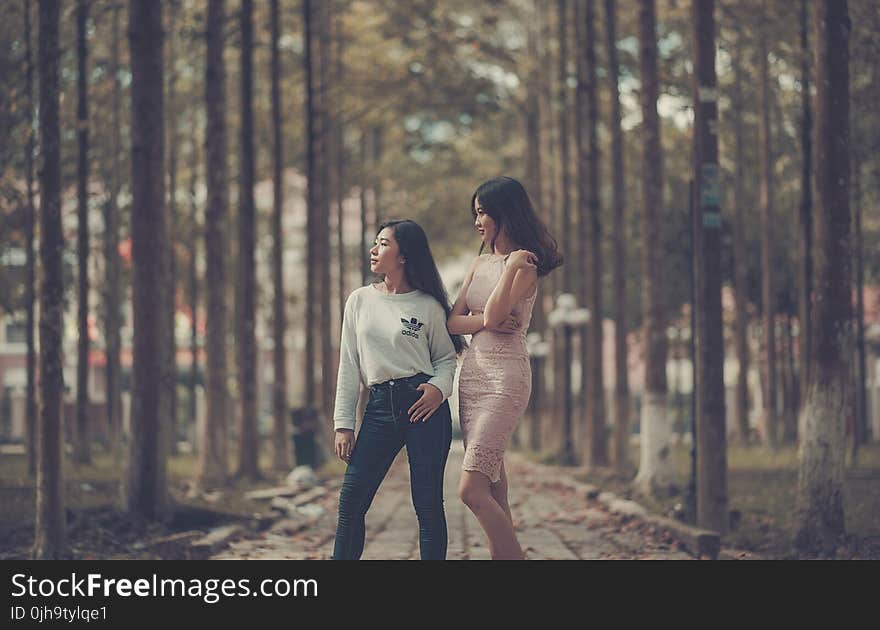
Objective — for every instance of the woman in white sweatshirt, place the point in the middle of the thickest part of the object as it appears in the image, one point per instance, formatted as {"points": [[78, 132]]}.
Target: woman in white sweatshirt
{"points": [[394, 341]]}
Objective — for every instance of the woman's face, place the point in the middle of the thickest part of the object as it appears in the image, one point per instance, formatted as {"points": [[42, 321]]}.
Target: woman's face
{"points": [[484, 224], [385, 253]]}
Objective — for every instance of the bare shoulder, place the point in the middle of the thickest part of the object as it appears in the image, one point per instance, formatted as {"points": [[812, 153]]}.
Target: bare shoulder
{"points": [[476, 262]]}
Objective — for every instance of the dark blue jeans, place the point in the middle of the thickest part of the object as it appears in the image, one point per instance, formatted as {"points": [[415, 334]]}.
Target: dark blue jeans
{"points": [[385, 430]]}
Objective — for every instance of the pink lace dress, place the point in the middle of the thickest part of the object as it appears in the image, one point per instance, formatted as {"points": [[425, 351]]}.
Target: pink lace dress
{"points": [[495, 381]]}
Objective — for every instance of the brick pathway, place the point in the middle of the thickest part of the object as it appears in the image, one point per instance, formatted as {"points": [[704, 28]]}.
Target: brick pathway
{"points": [[552, 520]]}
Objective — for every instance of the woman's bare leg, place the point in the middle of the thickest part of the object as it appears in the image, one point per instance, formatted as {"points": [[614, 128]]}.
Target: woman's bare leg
{"points": [[499, 493], [475, 491]]}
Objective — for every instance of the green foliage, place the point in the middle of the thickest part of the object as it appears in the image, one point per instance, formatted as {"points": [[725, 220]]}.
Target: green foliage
{"points": [[445, 82]]}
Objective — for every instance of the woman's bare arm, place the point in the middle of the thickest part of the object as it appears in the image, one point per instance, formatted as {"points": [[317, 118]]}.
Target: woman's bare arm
{"points": [[515, 284], [460, 321]]}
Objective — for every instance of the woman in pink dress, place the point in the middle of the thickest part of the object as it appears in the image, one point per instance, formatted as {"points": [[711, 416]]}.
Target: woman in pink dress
{"points": [[495, 306]]}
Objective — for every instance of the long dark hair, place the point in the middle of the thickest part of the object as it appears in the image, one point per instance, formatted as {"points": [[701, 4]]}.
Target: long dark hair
{"points": [[419, 266], [507, 202]]}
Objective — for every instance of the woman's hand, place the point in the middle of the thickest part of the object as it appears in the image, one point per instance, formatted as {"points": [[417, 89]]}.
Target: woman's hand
{"points": [[425, 406], [344, 444], [522, 259], [508, 326]]}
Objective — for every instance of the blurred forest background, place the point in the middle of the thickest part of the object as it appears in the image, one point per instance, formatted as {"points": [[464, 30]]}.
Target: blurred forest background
{"points": [[201, 180]]}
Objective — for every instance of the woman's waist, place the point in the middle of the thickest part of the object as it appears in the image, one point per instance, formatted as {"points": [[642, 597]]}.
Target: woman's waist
{"points": [[492, 341], [404, 381]]}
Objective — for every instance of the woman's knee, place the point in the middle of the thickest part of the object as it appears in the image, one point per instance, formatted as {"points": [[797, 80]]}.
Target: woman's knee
{"points": [[352, 500], [429, 512], [473, 495]]}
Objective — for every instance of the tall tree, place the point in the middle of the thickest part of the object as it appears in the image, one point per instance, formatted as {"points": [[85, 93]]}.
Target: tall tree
{"points": [[30, 225], [582, 212], [740, 262], [173, 142], [621, 380], [81, 435], [768, 295], [194, 280], [560, 352], [146, 495], [213, 454], [362, 173], [565, 207], [534, 182], [325, 141], [711, 429], [860, 419], [50, 535], [312, 198], [248, 452], [378, 133], [789, 385], [655, 463], [533, 115], [112, 274], [339, 154], [280, 441], [821, 523], [597, 431], [806, 210], [544, 23]]}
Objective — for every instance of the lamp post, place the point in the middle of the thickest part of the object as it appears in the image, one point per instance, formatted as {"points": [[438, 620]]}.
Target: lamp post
{"points": [[538, 350], [567, 316]]}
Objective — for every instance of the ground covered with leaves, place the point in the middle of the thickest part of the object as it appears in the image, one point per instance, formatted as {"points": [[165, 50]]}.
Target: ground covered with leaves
{"points": [[762, 497]]}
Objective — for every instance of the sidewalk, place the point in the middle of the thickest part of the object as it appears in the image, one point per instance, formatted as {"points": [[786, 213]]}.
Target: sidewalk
{"points": [[553, 521]]}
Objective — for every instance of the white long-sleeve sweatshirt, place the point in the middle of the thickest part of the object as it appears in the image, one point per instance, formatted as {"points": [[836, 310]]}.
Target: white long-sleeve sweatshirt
{"points": [[390, 336]]}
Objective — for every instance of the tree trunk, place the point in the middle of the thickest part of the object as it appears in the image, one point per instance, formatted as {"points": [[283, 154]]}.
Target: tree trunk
{"points": [[249, 447], [806, 212], [341, 188], [533, 176], [711, 428], [533, 117], [213, 455], [740, 253], [312, 198], [50, 535], [146, 495], [565, 207], [597, 432], [655, 465], [791, 398], [621, 380], [82, 450], [377, 176], [280, 439], [173, 140], [769, 420], [112, 263], [194, 288], [30, 228], [328, 359], [551, 433], [564, 222], [582, 228], [821, 524], [364, 256], [860, 421]]}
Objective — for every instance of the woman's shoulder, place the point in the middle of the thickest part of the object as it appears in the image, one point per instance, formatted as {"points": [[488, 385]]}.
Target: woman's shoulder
{"points": [[358, 294], [360, 290], [481, 260]]}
